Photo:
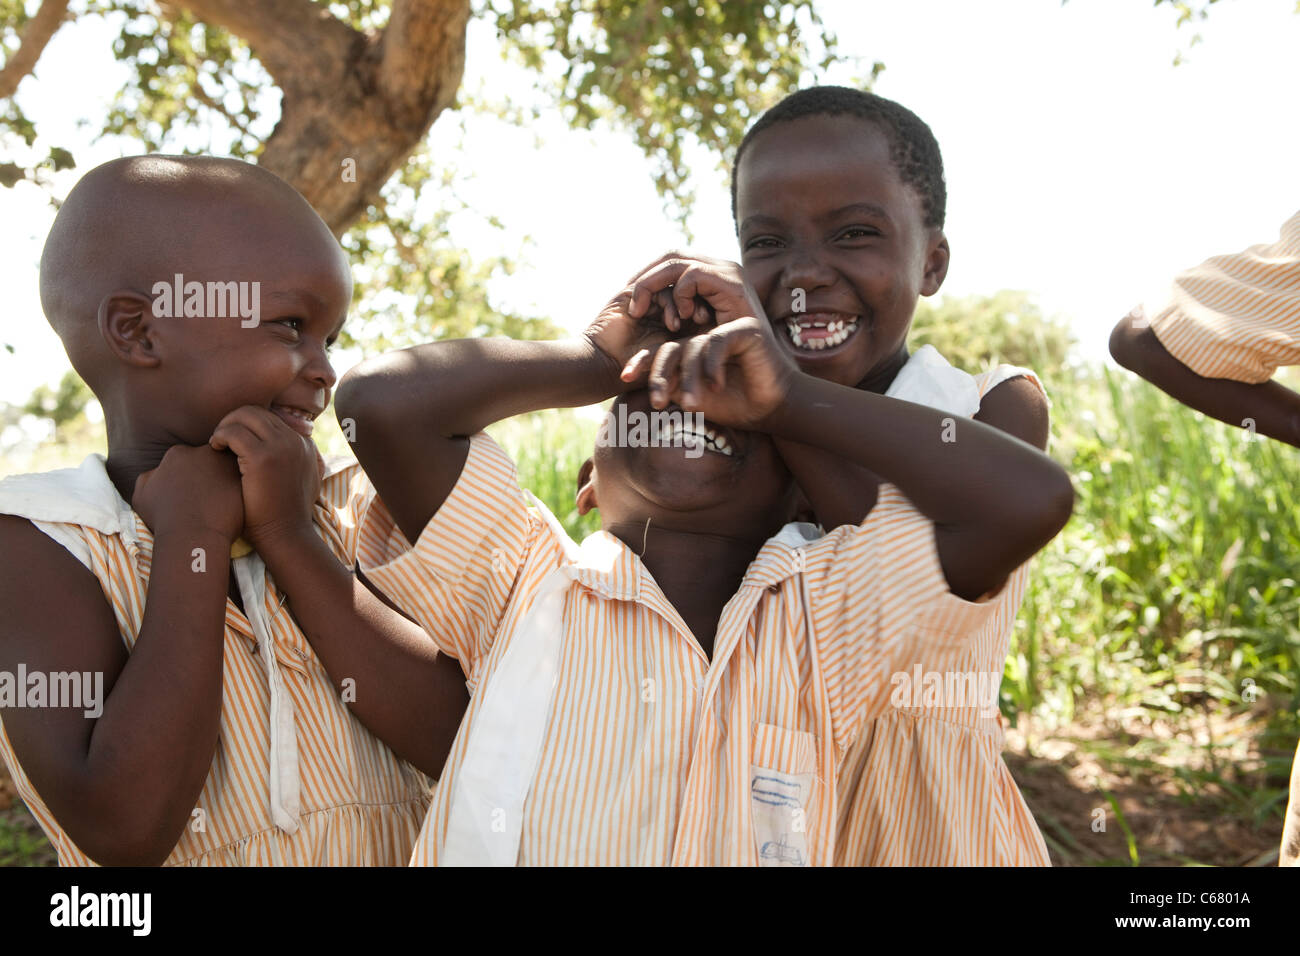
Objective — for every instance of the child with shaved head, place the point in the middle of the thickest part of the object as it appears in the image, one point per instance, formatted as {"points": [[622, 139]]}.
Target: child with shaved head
{"points": [[203, 573]]}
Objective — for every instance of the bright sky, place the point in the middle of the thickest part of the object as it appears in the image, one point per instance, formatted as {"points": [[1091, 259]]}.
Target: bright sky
{"points": [[1082, 165]]}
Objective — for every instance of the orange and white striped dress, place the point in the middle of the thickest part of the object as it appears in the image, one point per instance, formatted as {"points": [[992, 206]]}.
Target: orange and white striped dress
{"points": [[1236, 316], [649, 752], [925, 784], [341, 796]]}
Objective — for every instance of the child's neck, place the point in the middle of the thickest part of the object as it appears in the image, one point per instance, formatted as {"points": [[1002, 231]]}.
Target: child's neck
{"points": [[697, 572], [132, 451], [882, 376]]}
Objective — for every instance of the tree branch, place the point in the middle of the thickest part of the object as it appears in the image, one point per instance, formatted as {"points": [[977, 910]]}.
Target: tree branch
{"points": [[39, 30], [300, 43], [422, 59]]}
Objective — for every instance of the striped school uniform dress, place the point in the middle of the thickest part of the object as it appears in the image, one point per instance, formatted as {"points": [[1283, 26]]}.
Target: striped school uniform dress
{"points": [[1238, 317], [1235, 316], [925, 784], [296, 779], [600, 733]]}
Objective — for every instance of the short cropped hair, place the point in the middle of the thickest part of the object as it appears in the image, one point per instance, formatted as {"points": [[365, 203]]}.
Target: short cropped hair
{"points": [[913, 148]]}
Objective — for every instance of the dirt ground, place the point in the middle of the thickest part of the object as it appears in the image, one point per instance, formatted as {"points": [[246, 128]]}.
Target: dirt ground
{"points": [[1175, 806], [1175, 817]]}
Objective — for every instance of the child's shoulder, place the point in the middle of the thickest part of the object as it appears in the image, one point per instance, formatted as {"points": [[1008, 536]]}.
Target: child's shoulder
{"points": [[83, 496], [1012, 399], [1002, 374]]}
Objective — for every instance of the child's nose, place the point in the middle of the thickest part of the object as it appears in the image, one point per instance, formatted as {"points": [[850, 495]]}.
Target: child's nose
{"points": [[806, 271], [321, 371]]}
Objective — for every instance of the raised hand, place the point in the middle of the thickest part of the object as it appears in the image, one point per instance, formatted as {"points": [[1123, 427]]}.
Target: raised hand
{"points": [[708, 291], [625, 332], [192, 489], [280, 473], [735, 374]]}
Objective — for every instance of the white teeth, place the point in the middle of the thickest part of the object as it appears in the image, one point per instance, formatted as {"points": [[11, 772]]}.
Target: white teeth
{"points": [[837, 333]]}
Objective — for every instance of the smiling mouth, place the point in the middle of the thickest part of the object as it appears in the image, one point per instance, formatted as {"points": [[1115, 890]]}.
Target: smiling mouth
{"points": [[811, 332], [299, 419], [688, 435]]}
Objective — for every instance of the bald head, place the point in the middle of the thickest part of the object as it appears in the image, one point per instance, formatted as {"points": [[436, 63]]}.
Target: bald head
{"points": [[133, 222]]}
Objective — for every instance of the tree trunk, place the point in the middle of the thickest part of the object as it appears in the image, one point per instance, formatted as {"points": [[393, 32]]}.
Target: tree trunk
{"points": [[354, 106]]}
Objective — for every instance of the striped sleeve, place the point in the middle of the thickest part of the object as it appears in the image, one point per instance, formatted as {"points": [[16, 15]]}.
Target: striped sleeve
{"points": [[1236, 316], [457, 578], [880, 605]]}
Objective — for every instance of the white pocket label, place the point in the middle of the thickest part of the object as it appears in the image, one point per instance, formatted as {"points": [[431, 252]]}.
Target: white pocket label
{"points": [[780, 828]]}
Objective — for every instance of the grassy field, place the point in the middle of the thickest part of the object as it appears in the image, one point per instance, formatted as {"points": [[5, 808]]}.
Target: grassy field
{"points": [[1151, 691]]}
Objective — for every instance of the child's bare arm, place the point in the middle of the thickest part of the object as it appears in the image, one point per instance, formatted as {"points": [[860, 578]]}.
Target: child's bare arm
{"points": [[1274, 408], [414, 410], [407, 694], [995, 501], [841, 492], [123, 785]]}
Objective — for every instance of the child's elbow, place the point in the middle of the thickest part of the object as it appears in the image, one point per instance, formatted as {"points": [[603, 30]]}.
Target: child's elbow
{"points": [[129, 840], [369, 396], [1061, 506], [1055, 504], [1126, 343], [354, 396]]}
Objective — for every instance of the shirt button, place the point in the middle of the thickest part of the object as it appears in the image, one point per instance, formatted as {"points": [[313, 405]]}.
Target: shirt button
{"points": [[498, 560]]}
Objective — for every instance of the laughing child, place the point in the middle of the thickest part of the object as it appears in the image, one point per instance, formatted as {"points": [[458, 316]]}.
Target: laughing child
{"points": [[222, 739], [839, 201], [683, 687]]}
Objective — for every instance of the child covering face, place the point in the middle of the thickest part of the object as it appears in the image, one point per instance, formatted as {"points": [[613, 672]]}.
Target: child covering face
{"points": [[683, 687]]}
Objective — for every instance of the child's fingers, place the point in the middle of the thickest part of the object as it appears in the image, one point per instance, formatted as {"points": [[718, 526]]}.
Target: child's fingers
{"points": [[235, 436], [684, 292], [636, 366], [672, 321], [260, 421], [664, 374], [714, 357], [692, 368], [658, 277]]}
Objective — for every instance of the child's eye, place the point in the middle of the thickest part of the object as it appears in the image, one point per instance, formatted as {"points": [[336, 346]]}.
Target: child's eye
{"points": [[762, 242], [858, 232], [295, 325]]}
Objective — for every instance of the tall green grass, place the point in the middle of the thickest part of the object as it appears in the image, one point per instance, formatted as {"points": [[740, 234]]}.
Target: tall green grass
{"points": [[1171, 594], [548, 448]]}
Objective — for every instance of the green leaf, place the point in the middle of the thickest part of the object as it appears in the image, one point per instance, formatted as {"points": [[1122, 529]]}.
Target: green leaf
{"points": [[61, 158]]}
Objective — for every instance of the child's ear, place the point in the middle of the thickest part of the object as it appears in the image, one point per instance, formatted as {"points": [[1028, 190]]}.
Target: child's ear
{"points": [[126, 321], [586, 499], [937, 254]]}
